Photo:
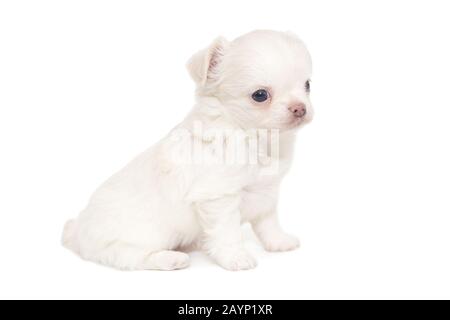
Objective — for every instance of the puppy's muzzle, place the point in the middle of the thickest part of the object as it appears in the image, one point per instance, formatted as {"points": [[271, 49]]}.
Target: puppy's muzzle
{"points": [[298, 110]]}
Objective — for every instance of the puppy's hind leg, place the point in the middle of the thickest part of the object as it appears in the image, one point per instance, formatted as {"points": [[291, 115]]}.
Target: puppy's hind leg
{"points": [[129, 257]]}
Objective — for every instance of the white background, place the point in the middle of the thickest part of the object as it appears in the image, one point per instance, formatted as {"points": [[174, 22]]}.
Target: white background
{"points": [[87, 85]]}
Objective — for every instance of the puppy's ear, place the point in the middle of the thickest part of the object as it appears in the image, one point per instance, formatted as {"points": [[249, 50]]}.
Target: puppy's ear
{"points": [[203, 65]]}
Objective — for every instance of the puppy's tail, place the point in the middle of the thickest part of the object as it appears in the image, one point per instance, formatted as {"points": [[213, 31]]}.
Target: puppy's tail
{"points": [[68, 236]]}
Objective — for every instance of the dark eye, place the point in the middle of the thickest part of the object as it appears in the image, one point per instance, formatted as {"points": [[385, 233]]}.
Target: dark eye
{"points": [[260, 95], [308, 86]]}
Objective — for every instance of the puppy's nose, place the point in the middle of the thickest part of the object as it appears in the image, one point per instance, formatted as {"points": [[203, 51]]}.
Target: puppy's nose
{"points": [[299, 110]]}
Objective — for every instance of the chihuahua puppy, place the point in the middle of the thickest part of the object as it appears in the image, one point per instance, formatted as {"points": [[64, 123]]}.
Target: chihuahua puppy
{"points": [[221, 167]]}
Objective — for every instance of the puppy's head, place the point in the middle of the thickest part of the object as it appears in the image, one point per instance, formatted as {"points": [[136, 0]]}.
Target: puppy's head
{"points": [[262, 79]]}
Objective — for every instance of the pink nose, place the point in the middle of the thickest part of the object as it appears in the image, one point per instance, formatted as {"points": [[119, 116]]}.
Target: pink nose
{"points": [[299, 110]]}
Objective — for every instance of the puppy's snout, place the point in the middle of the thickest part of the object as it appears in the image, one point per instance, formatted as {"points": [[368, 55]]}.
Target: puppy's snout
{"points": [[299, 110]]}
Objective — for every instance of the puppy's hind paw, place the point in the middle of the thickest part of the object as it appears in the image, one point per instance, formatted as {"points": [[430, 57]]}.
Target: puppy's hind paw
{"points": [[166, 260], [235, 259], [280, 242]]}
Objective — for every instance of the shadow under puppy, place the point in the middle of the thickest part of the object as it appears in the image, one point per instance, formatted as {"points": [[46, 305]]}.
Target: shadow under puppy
{"points": [[192, 187]]}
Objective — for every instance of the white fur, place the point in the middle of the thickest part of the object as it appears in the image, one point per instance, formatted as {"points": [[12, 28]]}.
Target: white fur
{"points": [[144, 215]]}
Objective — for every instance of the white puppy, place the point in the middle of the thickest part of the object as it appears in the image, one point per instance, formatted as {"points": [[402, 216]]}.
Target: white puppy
{"points": [[219, 168]]}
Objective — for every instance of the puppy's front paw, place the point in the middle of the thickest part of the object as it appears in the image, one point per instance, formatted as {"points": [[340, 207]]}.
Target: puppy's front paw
{"points": [[280, 242], [235, 259]]}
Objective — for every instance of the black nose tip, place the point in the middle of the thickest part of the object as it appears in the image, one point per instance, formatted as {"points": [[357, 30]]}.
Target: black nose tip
{"points": [[298, 110]]}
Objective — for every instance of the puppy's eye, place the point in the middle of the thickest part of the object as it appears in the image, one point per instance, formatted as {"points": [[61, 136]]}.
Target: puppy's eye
{"points": [[260, 95], [308, 86]]}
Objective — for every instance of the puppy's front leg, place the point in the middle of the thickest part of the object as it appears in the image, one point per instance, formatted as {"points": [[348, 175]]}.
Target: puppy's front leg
{"points": [[221, 223], [273, 238]]}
